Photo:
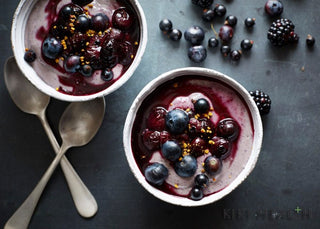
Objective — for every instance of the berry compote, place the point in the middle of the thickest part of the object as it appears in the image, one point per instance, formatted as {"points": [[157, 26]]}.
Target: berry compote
{"points": [[194, 127], [82, 47]]}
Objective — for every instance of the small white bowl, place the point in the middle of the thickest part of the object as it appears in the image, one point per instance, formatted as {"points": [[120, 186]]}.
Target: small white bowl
{"points": [[18, 45], [252, 154]]}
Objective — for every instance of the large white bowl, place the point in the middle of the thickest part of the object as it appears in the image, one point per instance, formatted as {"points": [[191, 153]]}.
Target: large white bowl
{"points": [[247, 168], [18, 45]]}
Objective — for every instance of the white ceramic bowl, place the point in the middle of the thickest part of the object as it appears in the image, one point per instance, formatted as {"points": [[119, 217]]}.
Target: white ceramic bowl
{"points": [[245, 169], [18, 45]]}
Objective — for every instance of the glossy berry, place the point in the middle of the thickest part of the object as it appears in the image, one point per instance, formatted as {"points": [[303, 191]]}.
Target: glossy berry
{"points": [[208, 15], [82, 23], [122, 19], [175, 35], [212, 165], [156, 173], [194, 34], [201, 106], [177, 121], [281, 32], [72, 64], [66, 12], [221, 147], [273, 7], [164, 136], [249, 22], [202, 3], [194, 127], [197, 53], [196, 193], [86, 70], [235, 55], [310, 40], [201, 180], [231, 20], [226, 33], [165, 25], [157, 119], [151, 139], [100, 22], [213, 42], [107, 75], [171, 150], [225, 50], [246, 44], [228, 128], [186, 167], [81, 2], [51, 47], [220, 10], [198, 145], [262, 101], [30, 56]]}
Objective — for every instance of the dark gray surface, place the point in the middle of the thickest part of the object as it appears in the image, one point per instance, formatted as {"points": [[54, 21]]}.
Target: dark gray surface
{"points": [[287, 173]]}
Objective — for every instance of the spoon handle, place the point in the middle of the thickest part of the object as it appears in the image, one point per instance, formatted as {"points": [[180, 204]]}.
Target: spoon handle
{"points": [[21, 218], [83, 199]]}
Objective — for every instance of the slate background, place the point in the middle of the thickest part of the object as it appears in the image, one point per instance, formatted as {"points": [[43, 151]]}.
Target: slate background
{"points": [[287, 173]]}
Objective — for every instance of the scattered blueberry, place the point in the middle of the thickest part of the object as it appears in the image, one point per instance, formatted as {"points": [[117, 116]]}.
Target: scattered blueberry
{"points": [[310, 40], [156, 173], [202, 3], [82, 23], [220, 10], [81, 2], [51, 47], [186, 167], [157, 118], [165, 25], [201, 180], [30, 56], [226, 33], [86, 70], [177, 121], [196, 193], [175, 35], [194, 35], [249, 22], [274, 7], [107, 75], [262, 101], [201, 106], [197, 53], [213, 42], [100, 22], [171, 150], [225, 50], [72, 64], [228, 128], [246, 44], [221, 147], [231, 20], [208, 15], [212, 165], [235, 55], [122, 19]]}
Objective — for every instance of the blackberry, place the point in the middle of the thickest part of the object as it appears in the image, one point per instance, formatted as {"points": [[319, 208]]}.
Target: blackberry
{"points": [[262, 100], [203, 3], [281, 32]]}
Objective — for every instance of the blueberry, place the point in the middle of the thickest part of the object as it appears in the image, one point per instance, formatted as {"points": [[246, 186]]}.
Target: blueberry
{"points": [[196, 193], [100, 22], [165, 25], [220, 10], [194, 34], [177, 121], [197, 53], [212, 165], [107, 75], [30, 56], [81, 2], [226, 33], [228, 128], [122, 19], [201, 180], [208, 15], [72, 64], [156, 173], [201, 106], [225, 50], [171, 150], [186, 167], [175, 35], [51, 47], [273, 7], [231, 20], [86, 70], [83, 23], [249, 22], [213, 42], [246, 44]]}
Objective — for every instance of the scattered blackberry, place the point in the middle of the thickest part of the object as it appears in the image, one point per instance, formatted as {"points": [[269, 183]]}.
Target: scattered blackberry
{"points": [[310, 40], [281, 32], [262, 100], [202, 3]]}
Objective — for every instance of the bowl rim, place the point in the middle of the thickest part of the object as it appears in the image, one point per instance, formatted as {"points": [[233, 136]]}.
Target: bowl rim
{"points": [[197, 71], [17, 35]]}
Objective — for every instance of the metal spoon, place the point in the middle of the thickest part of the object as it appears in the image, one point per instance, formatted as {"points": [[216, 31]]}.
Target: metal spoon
{"points": [[32, 101]]}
